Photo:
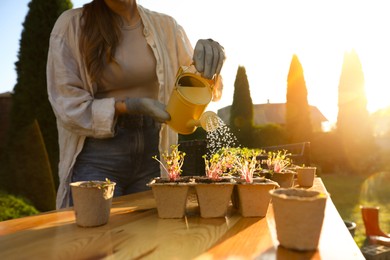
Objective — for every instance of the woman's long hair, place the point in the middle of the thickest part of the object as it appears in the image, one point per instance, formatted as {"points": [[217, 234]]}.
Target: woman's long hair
{"points": [[100, 35]]}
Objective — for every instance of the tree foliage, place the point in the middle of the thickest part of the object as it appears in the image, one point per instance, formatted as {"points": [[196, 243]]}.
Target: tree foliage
{"points": [[269, 135], [298, 120], [30, 168], [353, 122], [30, 99], [32, 139], [241, 113]]}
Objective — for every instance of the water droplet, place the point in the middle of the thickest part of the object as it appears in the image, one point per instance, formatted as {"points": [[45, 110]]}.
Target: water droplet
{"points": [[219, 135]]}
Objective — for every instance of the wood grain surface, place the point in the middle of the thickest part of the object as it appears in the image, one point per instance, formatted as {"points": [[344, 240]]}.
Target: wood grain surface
{"points": [[134, 231]]}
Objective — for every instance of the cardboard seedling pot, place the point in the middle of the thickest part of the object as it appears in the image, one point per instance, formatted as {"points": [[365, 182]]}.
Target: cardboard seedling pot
{"points": [[254, 198], [92, 204], [285, 179], [214, 198], [306, 176], [299, 215], [170, 199]]}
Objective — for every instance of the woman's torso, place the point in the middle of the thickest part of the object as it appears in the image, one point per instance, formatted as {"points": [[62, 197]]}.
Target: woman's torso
{"points": [[133, 74]]}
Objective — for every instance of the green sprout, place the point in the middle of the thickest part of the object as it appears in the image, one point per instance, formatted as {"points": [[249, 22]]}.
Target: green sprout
{"points": [[172, 162]]}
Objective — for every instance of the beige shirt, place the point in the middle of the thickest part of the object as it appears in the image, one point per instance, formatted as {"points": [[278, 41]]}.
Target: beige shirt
{"points": [[133, 74], [72, 94]]}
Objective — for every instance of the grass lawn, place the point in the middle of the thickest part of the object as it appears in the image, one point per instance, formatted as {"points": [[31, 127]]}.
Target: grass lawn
{"points": [[348, 192]]}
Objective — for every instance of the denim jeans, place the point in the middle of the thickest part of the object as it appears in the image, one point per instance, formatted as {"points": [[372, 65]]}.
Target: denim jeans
{"points": [[125, 159]]}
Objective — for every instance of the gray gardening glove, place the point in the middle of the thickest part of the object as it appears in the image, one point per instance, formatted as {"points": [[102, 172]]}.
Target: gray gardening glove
{"points": [[149, 107], [208, 57]]}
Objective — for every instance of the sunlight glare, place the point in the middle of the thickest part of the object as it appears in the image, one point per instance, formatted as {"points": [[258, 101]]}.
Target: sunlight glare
{"points": [[263, 36]]}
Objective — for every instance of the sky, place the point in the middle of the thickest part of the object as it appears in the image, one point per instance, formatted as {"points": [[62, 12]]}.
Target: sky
{"points": [[263, 36]]}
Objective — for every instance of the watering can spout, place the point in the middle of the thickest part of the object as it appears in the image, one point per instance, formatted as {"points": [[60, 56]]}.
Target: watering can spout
{"points": [[209, 121]]}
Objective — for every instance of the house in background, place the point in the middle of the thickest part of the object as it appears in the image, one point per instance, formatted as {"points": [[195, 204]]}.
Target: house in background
{"points": [[275, 113]]}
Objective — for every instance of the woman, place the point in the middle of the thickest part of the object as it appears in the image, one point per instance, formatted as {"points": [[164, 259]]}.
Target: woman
{"points": [[111, 68]]}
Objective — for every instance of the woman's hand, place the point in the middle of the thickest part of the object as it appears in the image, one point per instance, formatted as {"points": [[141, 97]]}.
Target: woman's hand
{"points": [[149, 107], [208, 57]]}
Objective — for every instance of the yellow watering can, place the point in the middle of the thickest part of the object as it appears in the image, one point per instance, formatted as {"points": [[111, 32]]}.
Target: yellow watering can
{"points": [[189, 99]]}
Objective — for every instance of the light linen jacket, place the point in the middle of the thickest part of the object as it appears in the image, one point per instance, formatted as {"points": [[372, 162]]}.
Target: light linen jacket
{"points": [[71, 92]]}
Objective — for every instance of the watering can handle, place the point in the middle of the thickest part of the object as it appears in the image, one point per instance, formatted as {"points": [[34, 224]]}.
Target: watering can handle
{"points": [[191, 69]]}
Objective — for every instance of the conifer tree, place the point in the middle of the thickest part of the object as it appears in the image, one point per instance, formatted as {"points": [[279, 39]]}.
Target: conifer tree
{"points": [[30, 99], [298, 120], [353, 121], [241, 113], [34, 179]]}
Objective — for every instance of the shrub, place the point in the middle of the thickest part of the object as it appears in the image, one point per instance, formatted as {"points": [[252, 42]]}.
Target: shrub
{"points": [[268, 135], [14, 207]]}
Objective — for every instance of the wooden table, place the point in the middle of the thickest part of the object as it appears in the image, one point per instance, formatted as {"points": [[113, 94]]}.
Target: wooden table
{"points": [[134, 231]]}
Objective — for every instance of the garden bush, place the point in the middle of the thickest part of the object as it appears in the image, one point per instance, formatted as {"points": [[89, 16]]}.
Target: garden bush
{"points": [[14, 207]]}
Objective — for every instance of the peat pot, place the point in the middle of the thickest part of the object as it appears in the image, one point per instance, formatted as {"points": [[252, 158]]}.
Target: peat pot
{"points": [[170, 197], [306, 176], [285, 179], [92, 202], [254, 198], [299, 215], [214, 197]]}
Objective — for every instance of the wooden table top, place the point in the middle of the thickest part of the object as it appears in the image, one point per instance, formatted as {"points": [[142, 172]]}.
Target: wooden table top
{"points": [[134, 231]]}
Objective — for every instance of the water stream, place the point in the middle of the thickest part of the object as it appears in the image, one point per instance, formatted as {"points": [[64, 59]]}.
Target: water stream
{"points": [[218, 135]]}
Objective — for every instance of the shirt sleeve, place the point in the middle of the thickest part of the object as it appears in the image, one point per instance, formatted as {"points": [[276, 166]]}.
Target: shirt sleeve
{"points": [[184, 47], [70, 94]]}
